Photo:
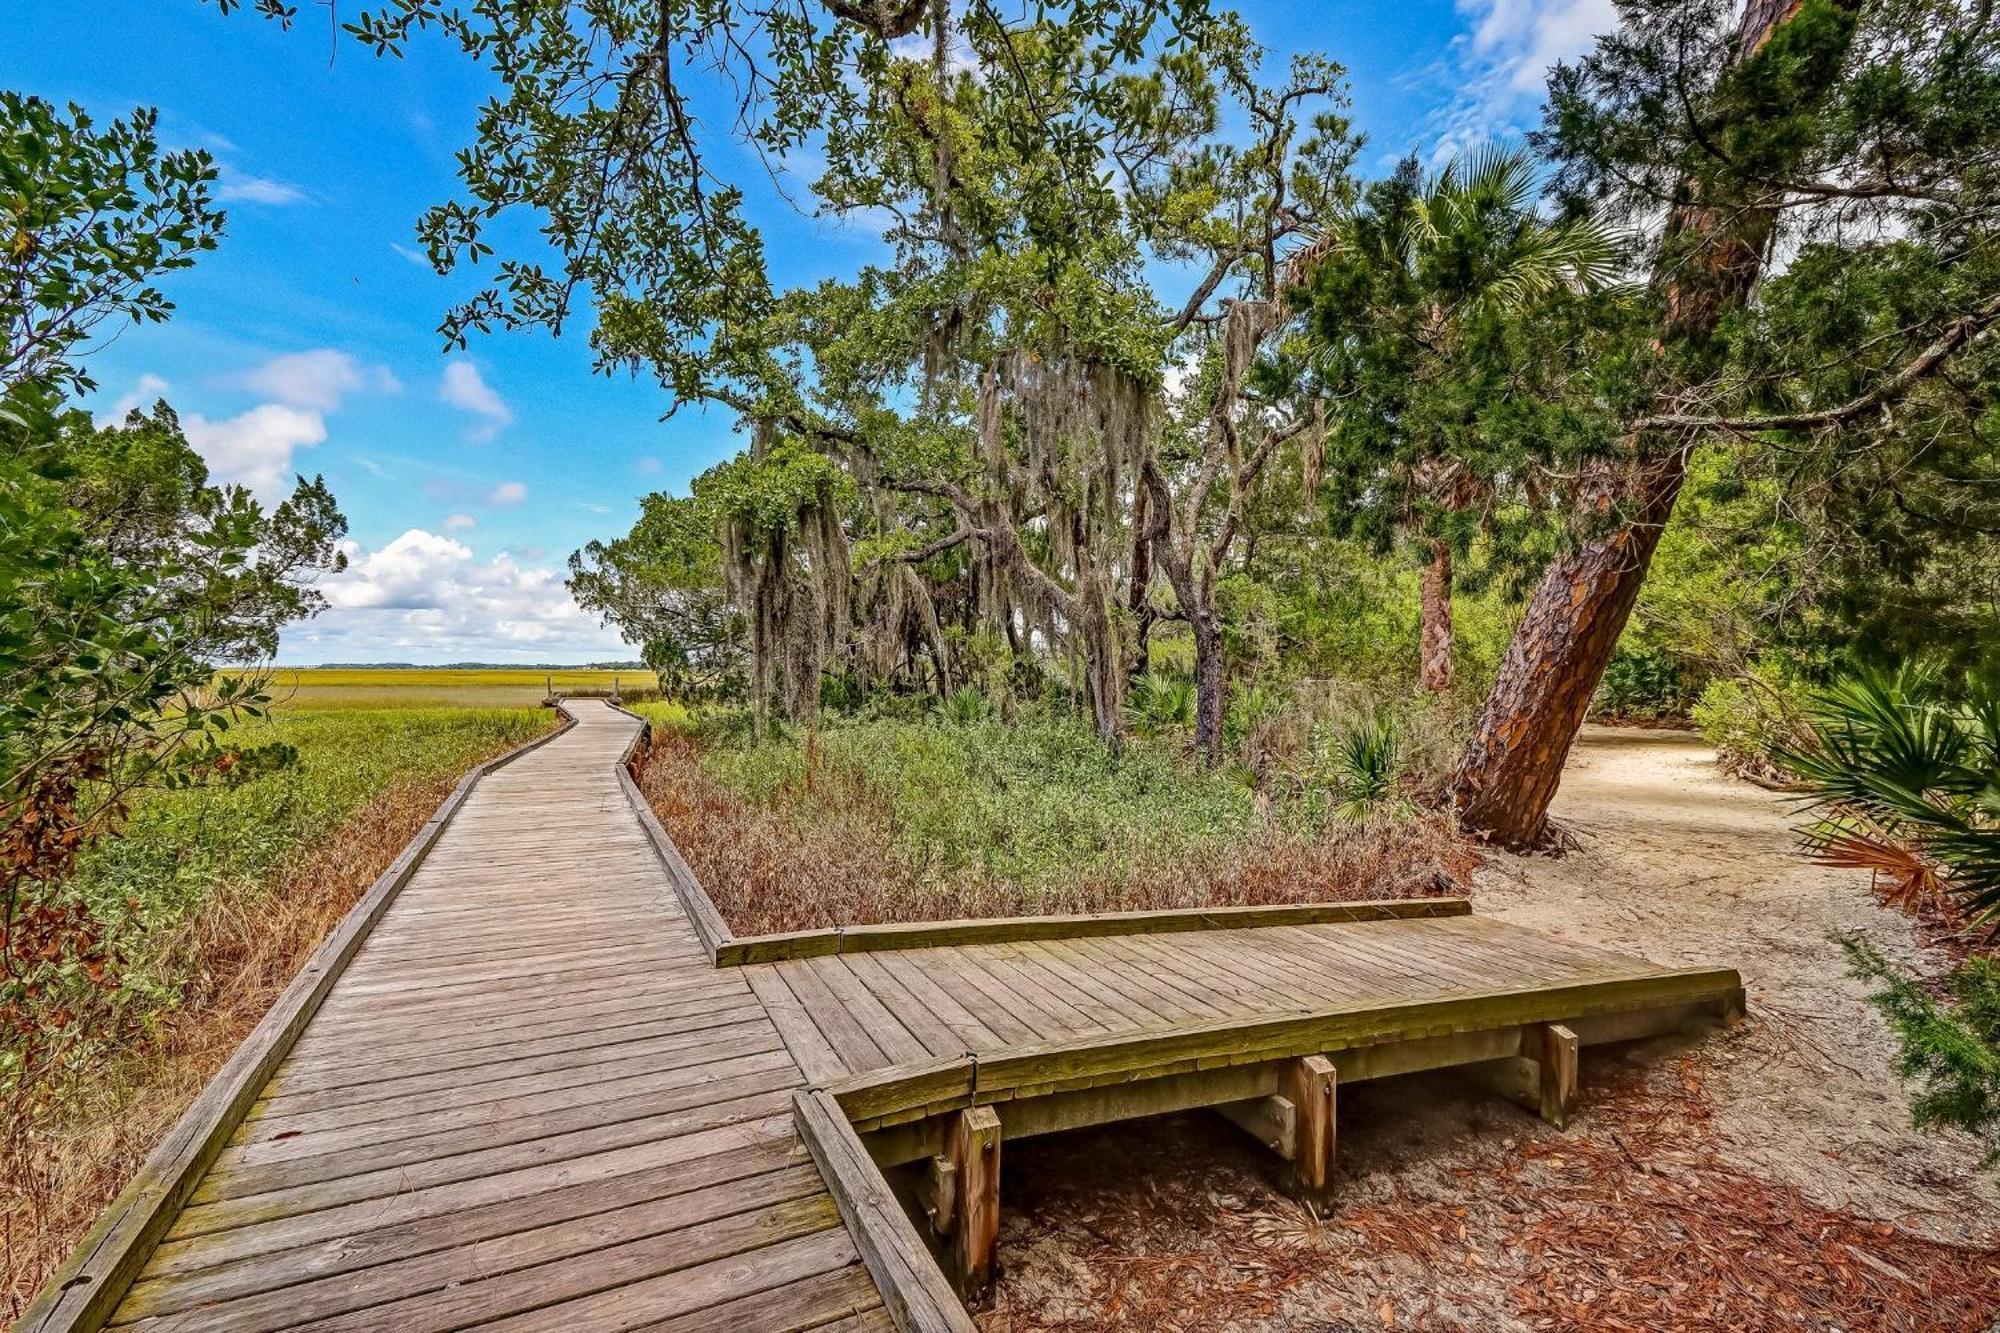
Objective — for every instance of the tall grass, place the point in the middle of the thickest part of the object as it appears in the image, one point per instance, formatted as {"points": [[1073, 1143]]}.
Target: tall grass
{"points": [[213, 898], [885, 820]]}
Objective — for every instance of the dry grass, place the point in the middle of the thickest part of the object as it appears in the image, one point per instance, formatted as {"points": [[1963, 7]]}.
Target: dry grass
{"points": [[769, 868], [1635, 1221], [246, 946]]}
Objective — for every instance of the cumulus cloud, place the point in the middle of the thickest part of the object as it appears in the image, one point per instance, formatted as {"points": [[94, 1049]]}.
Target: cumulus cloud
{"points": [[254, 449], [318, 379], [508, 493], [1499, 67], [242, 187], [427, 597], [145, 391], [467, 390], [1516, 41], [460, 522]]}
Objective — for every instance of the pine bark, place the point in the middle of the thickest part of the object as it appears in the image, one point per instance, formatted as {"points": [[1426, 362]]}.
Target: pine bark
{"points": [[1434, 651], [1513, 762]]}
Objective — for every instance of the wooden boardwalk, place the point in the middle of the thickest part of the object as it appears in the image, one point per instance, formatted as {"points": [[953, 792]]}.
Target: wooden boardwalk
{"points": [[531, 1101]]}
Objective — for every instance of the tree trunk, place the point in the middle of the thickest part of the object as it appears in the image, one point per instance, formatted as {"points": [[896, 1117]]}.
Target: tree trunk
{"points": [[1434, 654], [1514, 760], [1211, 684], [1713, 251]]}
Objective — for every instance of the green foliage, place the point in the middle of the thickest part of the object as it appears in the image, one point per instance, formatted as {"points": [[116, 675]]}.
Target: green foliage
{"points": [[1950, 1045], [1029, 802], [89, 217], [1159, 703], [125, 577], [1751, 715], [966, 706], [1643, 684], [1419, 319], [1366, 760], [1903, 760]]}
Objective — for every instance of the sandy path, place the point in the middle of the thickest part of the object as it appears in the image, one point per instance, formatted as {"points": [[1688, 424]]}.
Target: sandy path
{"points": [[1683, 864], [1175, 1223]]}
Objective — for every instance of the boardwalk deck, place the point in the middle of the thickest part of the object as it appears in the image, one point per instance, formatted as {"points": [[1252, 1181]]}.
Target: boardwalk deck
{"points": [[530, 1101]]}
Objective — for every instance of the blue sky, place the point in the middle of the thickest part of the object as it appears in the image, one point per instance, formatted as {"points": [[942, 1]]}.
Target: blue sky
{"points": [[307, 341]]}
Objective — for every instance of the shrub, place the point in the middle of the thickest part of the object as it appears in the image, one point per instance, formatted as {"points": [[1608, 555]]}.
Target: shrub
{"points": [[1640, 683], [1367, 760], [1904, 775], [1159, 703], [1749, 718], [1951, 1048], [966, 705]]}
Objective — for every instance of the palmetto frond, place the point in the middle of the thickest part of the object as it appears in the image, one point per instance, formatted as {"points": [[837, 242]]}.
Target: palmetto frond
{"points": [[1897, 759]]}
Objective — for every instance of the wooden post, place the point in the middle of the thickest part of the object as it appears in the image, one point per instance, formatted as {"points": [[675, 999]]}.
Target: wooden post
{"points": [[1557, 1057], [974, 1152], [1310, 1085]]}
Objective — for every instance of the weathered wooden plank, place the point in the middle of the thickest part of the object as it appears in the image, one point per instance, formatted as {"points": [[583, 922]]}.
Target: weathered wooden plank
{"points": [[994, 930], [85, 1290], [166, 1292], [913, 1289]]}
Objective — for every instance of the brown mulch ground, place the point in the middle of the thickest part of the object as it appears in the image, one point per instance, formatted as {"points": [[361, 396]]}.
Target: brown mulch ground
{"points": [[1634, 1221]]}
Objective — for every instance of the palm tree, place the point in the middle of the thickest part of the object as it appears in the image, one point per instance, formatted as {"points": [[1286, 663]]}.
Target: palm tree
{"points": [[1413, 316]]}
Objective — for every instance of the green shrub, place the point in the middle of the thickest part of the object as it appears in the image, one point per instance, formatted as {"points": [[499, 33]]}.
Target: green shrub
{"points": [[1904, 772], [1366, 761], [1639, 683], [1160, 703], [1950, 1047], [1749, 718], [966, 705]]}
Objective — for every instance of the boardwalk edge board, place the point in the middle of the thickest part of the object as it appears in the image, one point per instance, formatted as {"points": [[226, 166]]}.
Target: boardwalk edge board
{"points": [[84, 1292], [1024, 929], [914, 1289], [709, 927], [727, 950]]}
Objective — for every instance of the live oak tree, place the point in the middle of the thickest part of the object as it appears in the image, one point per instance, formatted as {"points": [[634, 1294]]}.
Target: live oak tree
{"points": [[1861, 132], [996, 390]]}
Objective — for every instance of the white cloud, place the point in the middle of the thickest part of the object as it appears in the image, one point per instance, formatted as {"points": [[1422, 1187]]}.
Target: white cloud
{"points": [[145, 391], [254, 449], [416, 257], [508, 493], [647, 466], [427, 597], [1515, 42], [460, 522], [467, 390], [242, 187], [318, 379]]}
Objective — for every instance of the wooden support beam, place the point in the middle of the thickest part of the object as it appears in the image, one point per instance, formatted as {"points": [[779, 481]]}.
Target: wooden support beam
{"points": [[937, 1193], [974, 1153], [1272, 1121], [1557, 1058], [1310, 1085]]}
